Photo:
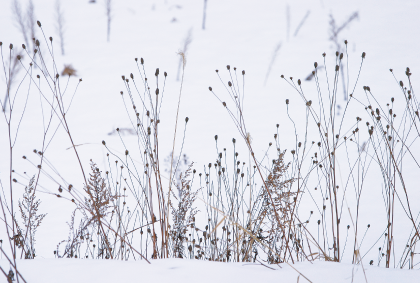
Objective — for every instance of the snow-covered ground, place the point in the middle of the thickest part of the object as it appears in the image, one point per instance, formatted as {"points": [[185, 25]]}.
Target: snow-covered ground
{"points": [[178, 270], [243, 34]]}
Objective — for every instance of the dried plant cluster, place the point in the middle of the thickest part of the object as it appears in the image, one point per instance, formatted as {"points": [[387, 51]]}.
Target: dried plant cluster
{"points": [[236, 211]]}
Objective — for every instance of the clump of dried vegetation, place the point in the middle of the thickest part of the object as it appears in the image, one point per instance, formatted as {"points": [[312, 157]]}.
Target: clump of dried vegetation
{"points": [[236, 211]]}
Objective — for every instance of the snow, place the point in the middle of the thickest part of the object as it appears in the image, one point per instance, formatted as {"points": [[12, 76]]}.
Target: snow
{"points": [[179, 270], [240, 33]]}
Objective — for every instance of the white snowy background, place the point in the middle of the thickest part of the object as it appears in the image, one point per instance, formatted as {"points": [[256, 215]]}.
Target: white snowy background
{"points": [[243, 34]]}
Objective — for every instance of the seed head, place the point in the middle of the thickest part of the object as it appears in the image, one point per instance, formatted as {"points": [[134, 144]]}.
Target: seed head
{"points": [[243, 72], [23, 46], [229, 84], [401, 84], [337, 68], [51, 38], [299, 82], [324, 54], [141, 61], [228, 67], [216, 137], [315, 65], [11, 46], [224, 104], [157, 91], [103, 142], [39, 23], [233, 140], [210, 88], [157, 72], [186, 120], [345, 42], [287, 101], [363, 55]]}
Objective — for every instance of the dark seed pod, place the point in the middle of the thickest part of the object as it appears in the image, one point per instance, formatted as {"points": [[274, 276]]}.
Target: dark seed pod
{"points": [[299, 82], [341, 56], [51, 38], [243, 72], [126, 152], [216, 137], [363, 55], [123, 77], [224, 104], [141, 61], [337, 53], [103, 142], [131, 76], [157, 72], [157, 91], [186, 120], [324, 54], [345, 42], [228, 67], [39, 23], [337, 68], [11, 46], [165, 74], [233, 140], [210, 88], [315, 65], [229, 84], [23, 46], [37, 42], [401, 84], [287, 101]]}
